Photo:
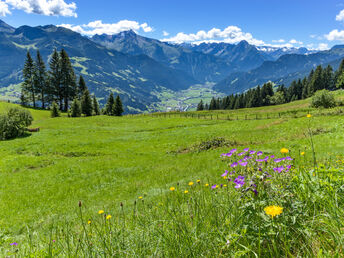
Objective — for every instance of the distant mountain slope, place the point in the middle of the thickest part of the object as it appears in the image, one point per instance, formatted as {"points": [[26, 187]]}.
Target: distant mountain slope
{"points": [[275, 70], [203, 67], [134, 77]]}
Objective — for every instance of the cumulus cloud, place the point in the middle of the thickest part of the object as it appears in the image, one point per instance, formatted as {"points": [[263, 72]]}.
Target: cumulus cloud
{"points": [[278, 41], [340, 16], [231, 34], [323, 46], [44, 7], [98, 27], [335, 35], [4, 10], [294, 41], [165, 33]]}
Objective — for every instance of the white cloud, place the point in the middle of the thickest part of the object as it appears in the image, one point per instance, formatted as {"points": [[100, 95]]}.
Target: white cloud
{"points": [[44, 7], [4, 9], [231, 34], [98, 27], [278, 41], [335, 35], [165, 33], [340, 16], [323, 46], [294, 41]]}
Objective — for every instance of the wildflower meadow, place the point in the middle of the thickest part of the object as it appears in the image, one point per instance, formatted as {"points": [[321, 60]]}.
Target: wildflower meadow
{"points": [[268, 189]]}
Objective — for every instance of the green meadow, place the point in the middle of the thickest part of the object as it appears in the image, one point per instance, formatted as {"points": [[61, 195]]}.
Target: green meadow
{"points": [[107, 163]]}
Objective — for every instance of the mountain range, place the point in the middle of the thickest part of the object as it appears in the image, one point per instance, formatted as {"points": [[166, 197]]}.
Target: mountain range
{"points": [[142, 69]]}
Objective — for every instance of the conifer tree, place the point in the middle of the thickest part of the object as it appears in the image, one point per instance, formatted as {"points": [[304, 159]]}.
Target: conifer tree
{"points": [[86, 103], [96, 108], [118, 108], [67, 79], [212, 105], [82, 86], [206, 106], [76, 108], [55, 79], [41, 78], [110, 105], [29, 79], [55, 112], [200, 106]]}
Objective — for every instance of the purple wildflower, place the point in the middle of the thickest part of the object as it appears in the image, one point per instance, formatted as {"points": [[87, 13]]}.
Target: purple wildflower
{"points": [[288, 158], [233, 150], [259, 153], [279, 169], [213, 187], [243, 164], [266, 158], [239, 181], [246, 149], [241, 153], [252, 152], [15, 243], [259, 160], [272, 156], [234, 164], [278, 160], [225, 174]]}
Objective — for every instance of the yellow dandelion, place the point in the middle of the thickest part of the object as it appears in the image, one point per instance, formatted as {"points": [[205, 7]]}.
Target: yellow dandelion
{"points": [[309, 115], [172, 188], [302, 153], [190, 183], [225, 177], [140, 197], [206, 185], [198, 181], [108, 217], [100, 212], [217, 186], [89, 222], [186, 191], [224, 185], [273, 210], [284, 150]]}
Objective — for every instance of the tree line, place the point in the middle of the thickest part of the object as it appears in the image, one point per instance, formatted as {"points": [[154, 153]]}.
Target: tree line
{"points": [[58, 89], [318, 79]]}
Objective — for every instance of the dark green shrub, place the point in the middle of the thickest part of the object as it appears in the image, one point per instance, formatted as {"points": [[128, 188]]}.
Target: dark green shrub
{"points": [[14, 123], [323, 99], [76, 108], [55, 112]]}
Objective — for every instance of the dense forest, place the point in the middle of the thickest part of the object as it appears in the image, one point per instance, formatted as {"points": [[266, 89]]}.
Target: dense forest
{"points": [[318, 79], [59, 90]]}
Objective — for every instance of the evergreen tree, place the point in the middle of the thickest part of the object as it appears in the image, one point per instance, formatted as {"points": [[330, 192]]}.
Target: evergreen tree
{"points": [[41, 78], [212, 105], [68, 78], [110, 105], [304, 93], [55, 79], [96, 108], [206, 106], [55, 112], [86, 103], [29, 79], [76, 108], [23, 98], [82, 86], [317, 82], [200, 106], [328, 77], [118, 109]]}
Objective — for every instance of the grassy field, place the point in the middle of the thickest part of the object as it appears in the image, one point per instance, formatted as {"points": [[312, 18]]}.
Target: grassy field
{"points": [[104, 161]]}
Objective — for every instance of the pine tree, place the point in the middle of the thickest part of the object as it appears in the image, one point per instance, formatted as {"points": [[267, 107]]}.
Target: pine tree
{"points": [[29, 79], [200, 106], [76, 108], [86, 103], [110, 105], [55, 87], [68, 78], [96, 108], [317, 82], [328, 77], [206, 106], [118, 109], [41, 78], [23, 98], [55, 112], [212, 105], [82, 86]]}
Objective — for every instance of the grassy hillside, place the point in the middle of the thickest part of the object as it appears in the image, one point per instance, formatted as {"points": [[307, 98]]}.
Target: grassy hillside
{"points": [[104, 161]]}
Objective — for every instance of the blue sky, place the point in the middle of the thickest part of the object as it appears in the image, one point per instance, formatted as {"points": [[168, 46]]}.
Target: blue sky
{"points": [[313, 24]]}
